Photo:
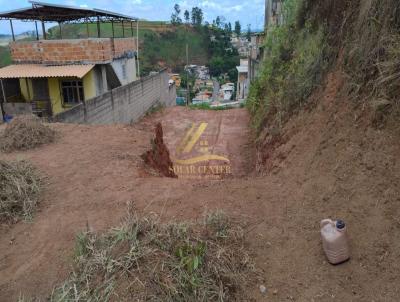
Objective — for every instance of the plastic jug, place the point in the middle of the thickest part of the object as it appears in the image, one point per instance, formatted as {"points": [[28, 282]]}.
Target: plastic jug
{"points": [[334, 240]]}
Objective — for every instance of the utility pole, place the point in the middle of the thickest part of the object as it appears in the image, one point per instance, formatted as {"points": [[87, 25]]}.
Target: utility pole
{"points": [[137, 48], [12, 30], [2, 112], [187, 75]]}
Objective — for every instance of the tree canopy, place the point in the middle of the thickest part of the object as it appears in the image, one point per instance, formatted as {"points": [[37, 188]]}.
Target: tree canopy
{"points": [[175, 17], [238, 28], [197, 16]]}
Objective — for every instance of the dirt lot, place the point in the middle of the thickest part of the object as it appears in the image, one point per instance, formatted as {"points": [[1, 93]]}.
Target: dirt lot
{"points": [[324, 169]]}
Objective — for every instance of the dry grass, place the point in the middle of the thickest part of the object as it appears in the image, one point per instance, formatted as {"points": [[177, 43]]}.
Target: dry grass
{"points": [[145, 260], [19, 190], [25, 132], [373, 56]]}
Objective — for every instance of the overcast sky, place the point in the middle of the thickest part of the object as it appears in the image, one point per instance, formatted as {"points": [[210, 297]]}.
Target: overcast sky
{"points": [[247, 11]]}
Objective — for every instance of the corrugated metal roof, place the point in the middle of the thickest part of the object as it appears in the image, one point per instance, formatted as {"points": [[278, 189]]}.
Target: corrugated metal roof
{"points": [[42, 71], [61, 13]]}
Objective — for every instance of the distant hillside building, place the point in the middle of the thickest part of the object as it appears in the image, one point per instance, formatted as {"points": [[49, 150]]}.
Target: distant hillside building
{"points": [[50, 76], [243, 83], [256, 55]]}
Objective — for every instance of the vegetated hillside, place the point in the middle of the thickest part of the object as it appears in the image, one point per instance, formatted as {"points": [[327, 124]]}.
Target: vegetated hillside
{"points": [[325, 110], [360, 38], [208, 45], [168, 49], [365, 34]]}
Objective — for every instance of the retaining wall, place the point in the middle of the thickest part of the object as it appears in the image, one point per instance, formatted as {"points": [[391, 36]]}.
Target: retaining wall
{"points": [[124, 104]]}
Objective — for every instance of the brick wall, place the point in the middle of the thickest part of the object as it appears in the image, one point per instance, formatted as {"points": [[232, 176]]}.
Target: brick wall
{"points": [[123, 45], [124, 104], [99, 50]]}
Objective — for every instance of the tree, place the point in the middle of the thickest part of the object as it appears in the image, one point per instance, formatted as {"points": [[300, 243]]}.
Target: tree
{"points": [[187, 16], [218, 21], [216, 66], [175, 19], [197, 16], [238, 28], [228, 29], [248, 35]]}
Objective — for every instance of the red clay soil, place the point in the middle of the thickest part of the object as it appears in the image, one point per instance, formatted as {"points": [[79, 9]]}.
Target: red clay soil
{"points": [[330, 164], [158, 157]]}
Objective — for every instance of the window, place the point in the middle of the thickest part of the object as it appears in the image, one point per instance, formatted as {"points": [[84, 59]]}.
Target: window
{"points": [[72, 92]]}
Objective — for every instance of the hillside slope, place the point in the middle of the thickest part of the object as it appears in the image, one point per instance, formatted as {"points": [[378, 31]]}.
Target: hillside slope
{"points": [[330, 163], [325, 112]]}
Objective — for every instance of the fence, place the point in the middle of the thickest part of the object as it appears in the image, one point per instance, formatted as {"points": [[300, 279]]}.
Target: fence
{"points": [[124, 104]]}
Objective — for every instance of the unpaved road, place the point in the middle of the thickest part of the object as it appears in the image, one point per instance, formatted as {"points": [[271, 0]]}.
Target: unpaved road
{"points": [[324, 169]]}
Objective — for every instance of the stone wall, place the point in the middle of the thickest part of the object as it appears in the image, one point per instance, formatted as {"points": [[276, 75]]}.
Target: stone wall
{"points": [[72, 51], [124, 104]]}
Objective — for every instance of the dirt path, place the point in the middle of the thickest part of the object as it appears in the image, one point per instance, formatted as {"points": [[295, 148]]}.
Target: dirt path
{"points": [[324, 169], [92, 172]]}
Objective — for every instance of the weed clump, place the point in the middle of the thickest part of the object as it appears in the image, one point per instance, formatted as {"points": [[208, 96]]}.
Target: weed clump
{"points": [[25, 132], [20, 186], [145, 260]]}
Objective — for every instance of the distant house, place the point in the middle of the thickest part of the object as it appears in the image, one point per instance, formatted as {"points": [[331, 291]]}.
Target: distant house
{"points": [[243, 83], [50, 76], [256, 54]]}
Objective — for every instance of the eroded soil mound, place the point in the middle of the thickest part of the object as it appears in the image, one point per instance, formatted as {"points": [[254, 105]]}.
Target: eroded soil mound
{"points": [[158, 157], [19, 190], [25, 132]]}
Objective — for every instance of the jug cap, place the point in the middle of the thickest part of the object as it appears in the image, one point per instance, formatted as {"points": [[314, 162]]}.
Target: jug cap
{"points": [[340, 224]]}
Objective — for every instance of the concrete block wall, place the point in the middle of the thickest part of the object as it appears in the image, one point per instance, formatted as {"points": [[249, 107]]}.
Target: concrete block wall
{"points": [[99, 110], [94, 50], [75, 115], [124, 104]]}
